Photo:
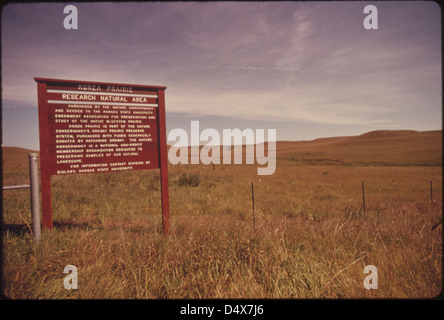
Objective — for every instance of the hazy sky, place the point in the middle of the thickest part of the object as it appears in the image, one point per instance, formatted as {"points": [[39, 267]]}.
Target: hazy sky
{"points": [[307, 69]]}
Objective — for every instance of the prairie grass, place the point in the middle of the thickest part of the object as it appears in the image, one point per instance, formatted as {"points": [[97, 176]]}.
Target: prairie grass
{"points": [[312, 238]]}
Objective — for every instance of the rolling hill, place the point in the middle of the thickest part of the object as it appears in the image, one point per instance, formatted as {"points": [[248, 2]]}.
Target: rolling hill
{"points": [[309, 235], [383, 147]]}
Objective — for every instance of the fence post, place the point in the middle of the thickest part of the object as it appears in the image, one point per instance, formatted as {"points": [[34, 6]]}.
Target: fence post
{"points": [[252, 198], [35, 196], [431, 191], [363, 197]]}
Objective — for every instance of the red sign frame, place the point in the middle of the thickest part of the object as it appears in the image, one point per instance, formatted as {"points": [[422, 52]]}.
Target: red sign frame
{"points": [[88, 127]]}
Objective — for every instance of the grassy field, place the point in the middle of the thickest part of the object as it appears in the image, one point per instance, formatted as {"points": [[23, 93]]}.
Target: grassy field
{"points": [[311, 239]]}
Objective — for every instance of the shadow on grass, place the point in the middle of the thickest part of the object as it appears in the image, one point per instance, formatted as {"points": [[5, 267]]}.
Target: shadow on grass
{"points": [[16, 229], [22, 229], [68, 225]]}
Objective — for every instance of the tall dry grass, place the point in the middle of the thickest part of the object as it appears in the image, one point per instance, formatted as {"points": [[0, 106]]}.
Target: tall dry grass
{"points": [[312, 238]]}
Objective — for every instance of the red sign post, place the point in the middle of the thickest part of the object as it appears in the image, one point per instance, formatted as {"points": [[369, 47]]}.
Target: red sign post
{"points": [[89, 127]]}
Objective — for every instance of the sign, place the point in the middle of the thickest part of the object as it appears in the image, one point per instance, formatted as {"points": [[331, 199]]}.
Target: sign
{"points": [[90, 127]]}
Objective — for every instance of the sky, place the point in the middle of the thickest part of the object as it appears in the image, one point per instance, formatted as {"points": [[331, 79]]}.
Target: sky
{"points": [[307, 69]]}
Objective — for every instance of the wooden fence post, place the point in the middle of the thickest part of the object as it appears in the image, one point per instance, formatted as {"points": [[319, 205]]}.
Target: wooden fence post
{"points": [[431, 191], [363, 197], [252, 198]]}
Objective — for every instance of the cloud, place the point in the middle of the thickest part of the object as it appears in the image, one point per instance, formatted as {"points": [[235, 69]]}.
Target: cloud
{"points": [[310, 62]]}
